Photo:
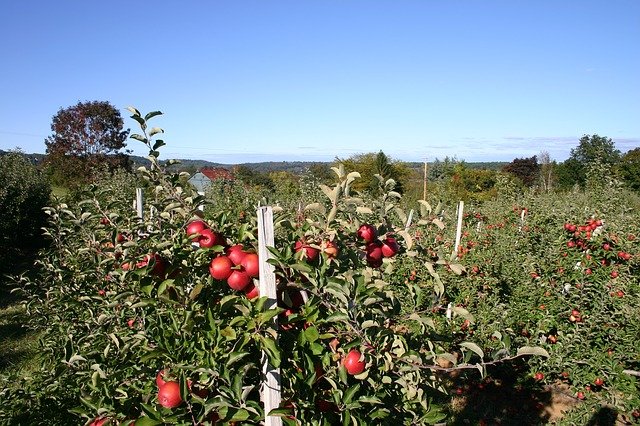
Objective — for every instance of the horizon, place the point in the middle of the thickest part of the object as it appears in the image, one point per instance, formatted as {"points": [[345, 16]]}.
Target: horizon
{"points": [[249, 82]]}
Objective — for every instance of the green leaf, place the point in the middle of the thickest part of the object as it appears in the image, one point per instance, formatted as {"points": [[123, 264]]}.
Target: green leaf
{"points": [[229, 333], [458, 310], [474, 348], [271, 349], [155, 131], [348, 395], [236, 356], [138, 137], [456, 268], [133, 111], [146, 421], [151, 114], [532, 350], [311, 334]]}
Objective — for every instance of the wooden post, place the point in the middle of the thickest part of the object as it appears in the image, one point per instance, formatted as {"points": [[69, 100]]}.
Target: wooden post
{"points": [[139, 203], [271, 386], [424, 182], [459, 228], [201, 206]]}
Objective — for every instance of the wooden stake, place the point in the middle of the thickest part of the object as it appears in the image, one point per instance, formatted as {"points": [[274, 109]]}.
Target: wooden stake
{"points": [[139, 203], [424, 182], [459, 228], [271, 386]]}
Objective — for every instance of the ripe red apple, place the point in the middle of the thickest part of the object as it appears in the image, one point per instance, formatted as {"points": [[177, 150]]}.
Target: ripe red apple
{"points": [[220, 268], [160, 378], [599, 381], [251, 291], [207, 238], [308, 252], [390, 247], [158, 265], [614, 274], [374, 254], [99, 421], [196, 227], [367, 233], [251, 264], [238, 280], [235, 253], [352, 362], [538, 376], [580, 395], [169, 395], [624, 255]]}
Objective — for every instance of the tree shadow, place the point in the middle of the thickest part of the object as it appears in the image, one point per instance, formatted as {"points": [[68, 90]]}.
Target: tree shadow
{"points": [[605, 416], [507, 396]]}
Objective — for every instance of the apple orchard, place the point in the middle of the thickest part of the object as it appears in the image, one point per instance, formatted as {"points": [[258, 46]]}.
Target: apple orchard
{"points": [[377, 319]]}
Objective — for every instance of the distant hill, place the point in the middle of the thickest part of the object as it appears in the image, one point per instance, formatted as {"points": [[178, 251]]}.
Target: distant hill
{"points": [[295, 167]]}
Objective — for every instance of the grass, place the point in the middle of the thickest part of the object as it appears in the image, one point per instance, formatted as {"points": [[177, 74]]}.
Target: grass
{"points": [[18, 345], [59, 191]]}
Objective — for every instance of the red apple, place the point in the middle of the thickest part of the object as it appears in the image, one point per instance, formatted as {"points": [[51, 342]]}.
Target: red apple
{"points": [[308, 252], [390, 247], [220, 268], [353, 363], [207, 238], [196, 227], [374, 254], [158, 265], [235, 253], [169, 395], [367, 233], [251, 264], [99, 421], [238, 280], [160, 378], [251, 291]]}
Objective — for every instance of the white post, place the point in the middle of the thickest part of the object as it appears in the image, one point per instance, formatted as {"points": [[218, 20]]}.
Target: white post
{"points": [[139, 203], [459, 228], [271, 386], [201, 206]]}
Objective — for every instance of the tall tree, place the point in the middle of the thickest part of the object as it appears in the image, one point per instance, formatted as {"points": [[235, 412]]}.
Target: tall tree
{"points": [[546, 171], [591, 151], [85, 136], [526, 169], [629, 169], [370, 164]]}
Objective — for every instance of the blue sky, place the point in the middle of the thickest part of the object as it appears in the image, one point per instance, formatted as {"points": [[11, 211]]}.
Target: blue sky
{"points": [[246, 81]]}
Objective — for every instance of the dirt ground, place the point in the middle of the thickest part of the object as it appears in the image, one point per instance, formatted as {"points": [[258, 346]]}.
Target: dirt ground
{"points": [[494, 402]]}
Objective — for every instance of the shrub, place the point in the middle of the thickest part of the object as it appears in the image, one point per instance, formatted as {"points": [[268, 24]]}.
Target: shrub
{"points": [[23, 193]]}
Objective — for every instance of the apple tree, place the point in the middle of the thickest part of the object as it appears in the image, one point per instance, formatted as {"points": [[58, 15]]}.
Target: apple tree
{"points": [[156, 320]]}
